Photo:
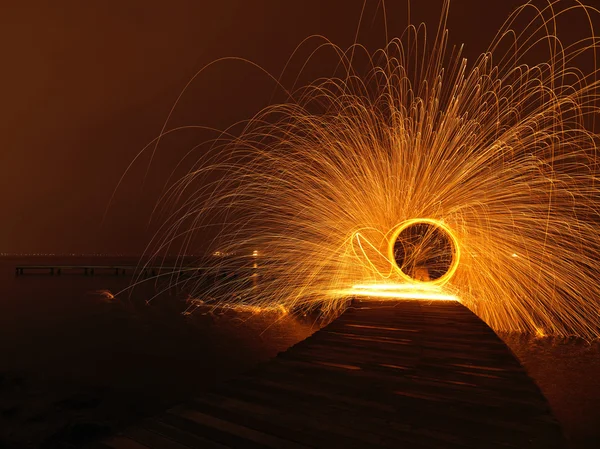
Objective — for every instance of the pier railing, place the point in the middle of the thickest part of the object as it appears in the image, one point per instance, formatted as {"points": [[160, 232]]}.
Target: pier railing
{"points": [[119, 270]]}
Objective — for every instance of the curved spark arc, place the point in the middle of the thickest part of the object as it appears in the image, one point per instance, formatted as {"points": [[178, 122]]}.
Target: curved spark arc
{"points": [[502, 152], [439, 225]]}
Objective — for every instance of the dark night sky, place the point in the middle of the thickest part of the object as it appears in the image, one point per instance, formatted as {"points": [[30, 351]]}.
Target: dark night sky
{"points": [[85, 85]]}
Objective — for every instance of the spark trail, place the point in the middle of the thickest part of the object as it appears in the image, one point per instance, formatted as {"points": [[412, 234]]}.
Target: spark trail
{"points": [[500, 151]]}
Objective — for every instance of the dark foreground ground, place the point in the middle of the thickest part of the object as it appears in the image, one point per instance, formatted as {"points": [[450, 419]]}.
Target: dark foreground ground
{"points": [[568, 373], [385, 374], [75, 366]]}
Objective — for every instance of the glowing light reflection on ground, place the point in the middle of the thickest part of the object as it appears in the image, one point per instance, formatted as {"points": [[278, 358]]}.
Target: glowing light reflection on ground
{"points": [[399, 291]]}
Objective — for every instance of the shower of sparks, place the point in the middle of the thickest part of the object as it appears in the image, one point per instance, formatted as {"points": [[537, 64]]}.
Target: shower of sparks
{"points": [[501, 149]]}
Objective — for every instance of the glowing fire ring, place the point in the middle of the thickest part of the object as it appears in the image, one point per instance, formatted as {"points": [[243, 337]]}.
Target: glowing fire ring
{"points": [[447, 232]]}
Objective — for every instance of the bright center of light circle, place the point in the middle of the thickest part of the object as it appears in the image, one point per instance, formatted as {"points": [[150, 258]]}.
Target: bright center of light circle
{"points": [[425, 251]]}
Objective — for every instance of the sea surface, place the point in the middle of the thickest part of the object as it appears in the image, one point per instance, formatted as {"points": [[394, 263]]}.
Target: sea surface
{"points": [[77, 364]]}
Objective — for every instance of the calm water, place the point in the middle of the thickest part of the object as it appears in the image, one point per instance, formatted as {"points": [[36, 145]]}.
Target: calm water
{"points": [[72, 363]]}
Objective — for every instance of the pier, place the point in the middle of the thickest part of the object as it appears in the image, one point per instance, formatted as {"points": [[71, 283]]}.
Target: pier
{"points": [[91, 270], [118, 270], [385, 374]]}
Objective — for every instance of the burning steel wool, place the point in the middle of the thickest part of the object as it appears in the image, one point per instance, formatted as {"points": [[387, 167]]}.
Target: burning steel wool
{"points": [[425, 176]]}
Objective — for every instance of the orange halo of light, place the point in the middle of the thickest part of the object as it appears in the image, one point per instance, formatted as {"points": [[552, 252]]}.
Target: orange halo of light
{"points": [[438, 224]]}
